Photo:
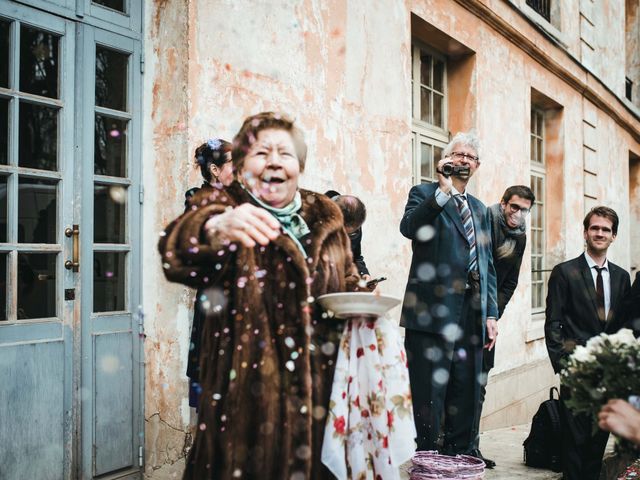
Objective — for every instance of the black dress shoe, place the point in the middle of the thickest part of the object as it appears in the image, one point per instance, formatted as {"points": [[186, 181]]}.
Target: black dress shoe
{"points": [[487, 461]]}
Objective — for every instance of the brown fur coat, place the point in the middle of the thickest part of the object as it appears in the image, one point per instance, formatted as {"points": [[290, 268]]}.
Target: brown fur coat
{"points": [[268, 356]]}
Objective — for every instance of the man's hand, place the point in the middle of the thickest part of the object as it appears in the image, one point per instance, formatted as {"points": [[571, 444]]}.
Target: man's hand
{"points": [[444, 183], [492, 332]]}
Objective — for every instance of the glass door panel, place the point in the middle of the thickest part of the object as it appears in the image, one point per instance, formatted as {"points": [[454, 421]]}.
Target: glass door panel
{"points": [[39, 55], [111, 78], [3, 286], [110, 214], [110, 156], [4, 130], [4, 52], [109, 281], [3, 210], [38, 136], [117, 5], [36, 285], [37, 210]]}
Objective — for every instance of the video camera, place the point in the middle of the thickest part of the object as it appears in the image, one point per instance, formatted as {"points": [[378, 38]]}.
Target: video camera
{"points": [[449, 169]]}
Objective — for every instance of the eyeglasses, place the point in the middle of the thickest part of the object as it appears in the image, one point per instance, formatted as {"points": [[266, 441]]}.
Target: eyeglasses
{"points": [[466, 156], [515, 208]]}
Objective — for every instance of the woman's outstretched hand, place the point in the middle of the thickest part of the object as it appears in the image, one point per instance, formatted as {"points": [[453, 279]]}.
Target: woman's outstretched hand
{"points": [[245, 224]]}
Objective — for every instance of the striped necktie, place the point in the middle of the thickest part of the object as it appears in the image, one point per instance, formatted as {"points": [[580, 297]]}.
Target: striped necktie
{"points": [[467, 223]]}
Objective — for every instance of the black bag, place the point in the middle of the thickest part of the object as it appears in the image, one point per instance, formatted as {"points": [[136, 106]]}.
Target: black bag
{"points": [[543, 446]]}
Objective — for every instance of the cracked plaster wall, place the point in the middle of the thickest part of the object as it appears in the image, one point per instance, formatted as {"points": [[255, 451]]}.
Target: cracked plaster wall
{"points": [[343, 70]]}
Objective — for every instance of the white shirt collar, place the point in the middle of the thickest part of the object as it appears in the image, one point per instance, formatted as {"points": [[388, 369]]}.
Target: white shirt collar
{"points": [[454, 192], [591, 262]]}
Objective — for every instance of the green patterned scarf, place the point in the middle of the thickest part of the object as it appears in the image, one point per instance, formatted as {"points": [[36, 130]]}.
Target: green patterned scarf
{"points": [[292, 223]]}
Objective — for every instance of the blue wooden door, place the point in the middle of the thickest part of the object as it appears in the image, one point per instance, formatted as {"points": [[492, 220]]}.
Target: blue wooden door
{"points": [[111, 330], [70, 343]]}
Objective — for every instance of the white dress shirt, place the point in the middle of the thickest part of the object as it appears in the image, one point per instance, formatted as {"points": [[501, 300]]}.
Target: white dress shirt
{"points": [[606, 280], [442, 198]]}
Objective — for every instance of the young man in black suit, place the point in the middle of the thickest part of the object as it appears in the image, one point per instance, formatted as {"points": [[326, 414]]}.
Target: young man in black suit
{"points": [[585, 299], [449, 310]]}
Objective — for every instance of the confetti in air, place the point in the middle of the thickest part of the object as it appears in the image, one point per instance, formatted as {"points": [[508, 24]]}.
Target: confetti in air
{"points": [[118, 194]]}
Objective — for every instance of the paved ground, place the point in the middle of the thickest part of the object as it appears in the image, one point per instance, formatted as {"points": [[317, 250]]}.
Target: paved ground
{"points": [[505, 447]]}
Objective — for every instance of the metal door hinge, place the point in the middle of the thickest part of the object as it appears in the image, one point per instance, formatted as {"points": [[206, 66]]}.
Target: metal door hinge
{"points": [[140, 456], [141, 322], [141, 63], [141, 195]]}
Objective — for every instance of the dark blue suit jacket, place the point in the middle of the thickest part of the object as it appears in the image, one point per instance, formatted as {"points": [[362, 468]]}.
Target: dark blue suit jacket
{"points": [[438, 275]]}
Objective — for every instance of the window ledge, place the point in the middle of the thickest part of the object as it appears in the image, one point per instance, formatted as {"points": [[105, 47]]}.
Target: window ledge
{"points": [[535, 331]]}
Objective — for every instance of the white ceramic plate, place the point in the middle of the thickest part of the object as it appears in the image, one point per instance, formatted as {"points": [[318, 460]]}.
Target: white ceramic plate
{"points": [[351, 304]]}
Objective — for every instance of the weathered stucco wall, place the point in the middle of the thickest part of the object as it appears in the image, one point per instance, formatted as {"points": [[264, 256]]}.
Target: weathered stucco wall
{"points": [[343, 71], [165, 149], [609, 58]]}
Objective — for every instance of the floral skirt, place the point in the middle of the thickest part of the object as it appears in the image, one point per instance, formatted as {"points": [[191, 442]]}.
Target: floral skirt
{"points": [[370, 423], [632, 472]]}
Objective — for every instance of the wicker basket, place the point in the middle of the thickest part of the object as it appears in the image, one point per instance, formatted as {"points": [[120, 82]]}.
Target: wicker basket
{"points": [[431, 465]]}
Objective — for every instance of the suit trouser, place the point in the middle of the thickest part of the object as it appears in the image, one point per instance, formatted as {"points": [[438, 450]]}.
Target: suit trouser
{"points": [[582, 452], [444, 384], [488, 359]]}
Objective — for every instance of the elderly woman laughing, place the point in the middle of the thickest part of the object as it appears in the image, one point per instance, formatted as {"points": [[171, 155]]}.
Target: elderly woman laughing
{"points": [[264, 249]]}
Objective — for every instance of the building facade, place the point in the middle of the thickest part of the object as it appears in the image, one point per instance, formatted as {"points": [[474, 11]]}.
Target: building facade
{"points": [[103, 102]]}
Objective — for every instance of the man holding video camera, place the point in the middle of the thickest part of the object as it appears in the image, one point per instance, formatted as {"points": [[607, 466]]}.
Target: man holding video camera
{"points": [[450, 308]]}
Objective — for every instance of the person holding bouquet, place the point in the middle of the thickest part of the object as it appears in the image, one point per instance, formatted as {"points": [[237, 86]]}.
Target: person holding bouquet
{"points": [[621, 418], [585, 298]]}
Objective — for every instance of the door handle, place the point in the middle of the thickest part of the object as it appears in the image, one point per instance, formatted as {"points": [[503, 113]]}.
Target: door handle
{"points": [[74, 232]]}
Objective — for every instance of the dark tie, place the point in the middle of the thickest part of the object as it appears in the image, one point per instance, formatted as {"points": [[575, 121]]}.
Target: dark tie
{"points": [[467, 223], [600, 293]]}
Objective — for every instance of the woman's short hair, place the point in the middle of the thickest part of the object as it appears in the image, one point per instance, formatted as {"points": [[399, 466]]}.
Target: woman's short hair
{"points": [[211, 152], [254, 124], [466, 139], [602, 211]]}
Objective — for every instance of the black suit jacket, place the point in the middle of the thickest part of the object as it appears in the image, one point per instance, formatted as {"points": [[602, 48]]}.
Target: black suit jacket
{"points": [[632, 306], [356, 251], [436, 287], [571, 313]]}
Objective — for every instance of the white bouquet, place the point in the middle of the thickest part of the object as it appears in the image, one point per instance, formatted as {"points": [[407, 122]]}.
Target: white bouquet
{"points": [[607, 367]]}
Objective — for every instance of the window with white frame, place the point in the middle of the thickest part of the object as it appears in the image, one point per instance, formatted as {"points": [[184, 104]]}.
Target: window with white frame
{"points": [[538, 227], [429, 105]]}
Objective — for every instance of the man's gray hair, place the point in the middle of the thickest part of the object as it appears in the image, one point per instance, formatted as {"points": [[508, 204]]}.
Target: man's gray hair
{"points": [[466, 139]]}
